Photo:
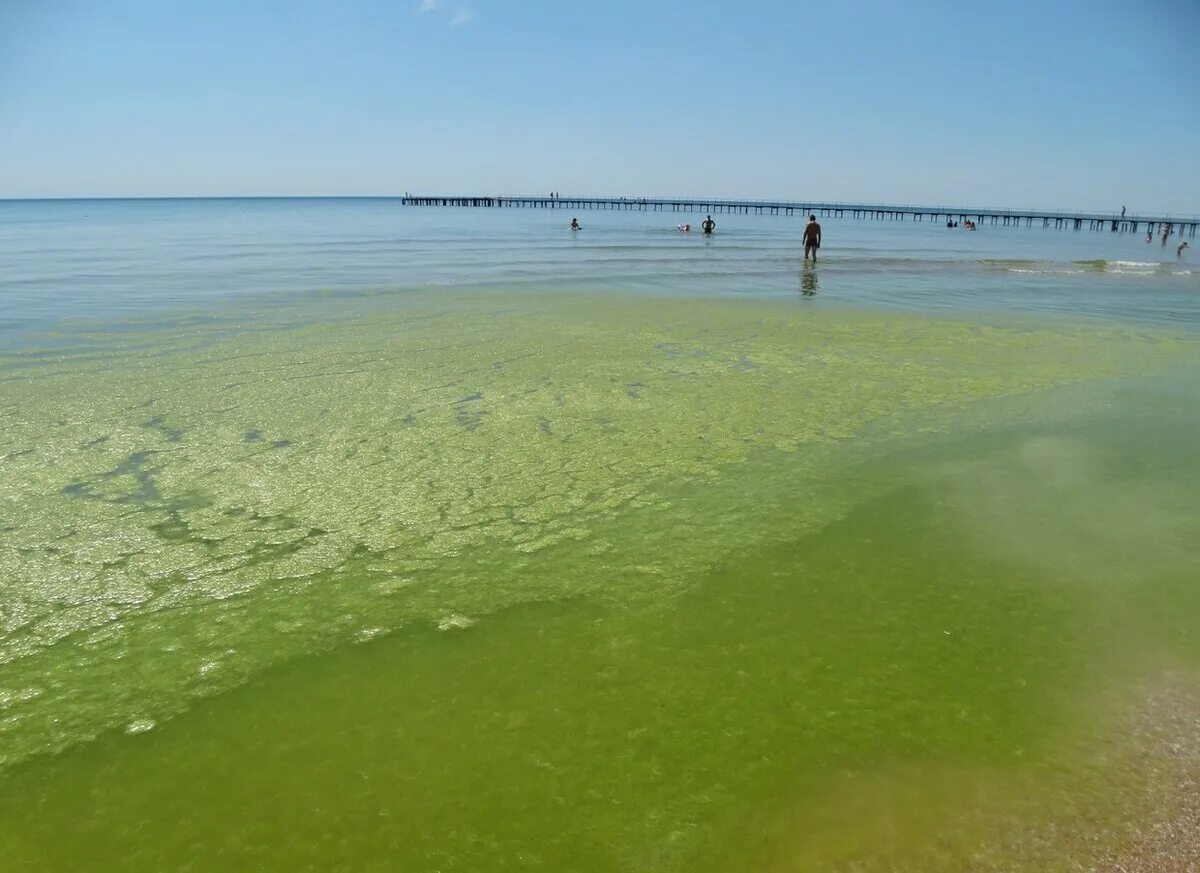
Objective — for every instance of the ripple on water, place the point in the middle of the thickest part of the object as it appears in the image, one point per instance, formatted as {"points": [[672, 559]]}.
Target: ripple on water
{"points": [[454, 622]]}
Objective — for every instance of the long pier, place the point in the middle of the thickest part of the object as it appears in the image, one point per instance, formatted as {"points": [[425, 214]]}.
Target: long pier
{"points": [[1000, 217]]}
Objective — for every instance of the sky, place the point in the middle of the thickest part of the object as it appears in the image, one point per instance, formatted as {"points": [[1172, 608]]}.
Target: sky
{"points": [[1054, 104]]}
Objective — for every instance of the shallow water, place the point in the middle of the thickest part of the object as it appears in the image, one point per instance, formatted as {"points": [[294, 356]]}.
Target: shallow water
{"points": [[562, 576], [121, 260]]}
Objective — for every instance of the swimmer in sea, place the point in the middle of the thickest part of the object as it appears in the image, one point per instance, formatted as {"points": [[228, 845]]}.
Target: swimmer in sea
{"points": [[575, 225], [708, 225], [1179, 251]]}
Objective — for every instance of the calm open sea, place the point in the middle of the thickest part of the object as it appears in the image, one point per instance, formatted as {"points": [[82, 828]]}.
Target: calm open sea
{"points": [[117, 259], [339, 535]]}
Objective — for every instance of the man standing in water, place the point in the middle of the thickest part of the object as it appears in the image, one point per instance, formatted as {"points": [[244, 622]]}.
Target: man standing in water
{"points": [[812, 238], [708, 225]]}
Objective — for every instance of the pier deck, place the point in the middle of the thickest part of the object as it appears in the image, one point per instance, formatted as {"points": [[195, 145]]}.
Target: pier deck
{"points": [[696, 206]]}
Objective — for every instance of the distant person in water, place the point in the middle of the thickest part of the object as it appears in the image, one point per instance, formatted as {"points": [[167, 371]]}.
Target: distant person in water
{"points": [[708, 225], [1179, 251], [1149, 236], [812, 238], [575, 225]]}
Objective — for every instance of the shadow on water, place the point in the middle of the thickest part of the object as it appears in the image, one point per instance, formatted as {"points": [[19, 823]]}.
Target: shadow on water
{"points": [[808, 280]]}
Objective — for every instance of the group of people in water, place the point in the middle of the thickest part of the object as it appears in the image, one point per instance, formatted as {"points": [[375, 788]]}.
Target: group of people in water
{"points": [[707, 226], [1168, 229], [811, 239], [812, 233]]}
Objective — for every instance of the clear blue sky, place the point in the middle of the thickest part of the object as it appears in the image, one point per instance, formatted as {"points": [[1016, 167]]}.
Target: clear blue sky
{"points": [[1089, 104]]}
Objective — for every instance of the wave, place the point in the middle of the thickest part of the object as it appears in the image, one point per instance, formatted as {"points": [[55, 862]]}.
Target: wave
{"points": [[1045, 272], [1032, 267], [1100, 265]]}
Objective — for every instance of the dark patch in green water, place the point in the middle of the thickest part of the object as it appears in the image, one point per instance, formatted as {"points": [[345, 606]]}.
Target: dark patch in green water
{"points": [[468, 414]]}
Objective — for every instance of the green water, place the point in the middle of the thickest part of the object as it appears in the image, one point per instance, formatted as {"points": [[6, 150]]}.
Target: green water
{"points": [[567, 582]]}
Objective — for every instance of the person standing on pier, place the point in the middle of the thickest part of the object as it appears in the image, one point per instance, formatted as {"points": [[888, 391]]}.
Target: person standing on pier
{"points": [[812, 238], [1122, 211], [708, 225]]}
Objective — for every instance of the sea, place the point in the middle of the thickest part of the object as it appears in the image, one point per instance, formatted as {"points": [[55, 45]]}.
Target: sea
{"points": [[341, 534], [81, 260]]}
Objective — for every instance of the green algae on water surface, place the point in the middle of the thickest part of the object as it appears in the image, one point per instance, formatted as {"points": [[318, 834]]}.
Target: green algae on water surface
{"points": [[360, 459], [727, 599]]}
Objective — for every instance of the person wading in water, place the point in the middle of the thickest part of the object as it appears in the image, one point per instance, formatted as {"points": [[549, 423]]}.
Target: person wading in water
{"points": [[812, 238]]}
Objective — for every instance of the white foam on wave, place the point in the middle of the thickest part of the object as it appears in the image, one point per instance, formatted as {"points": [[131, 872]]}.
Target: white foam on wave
{"points": [[1044, 272], [1136, 268]]}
